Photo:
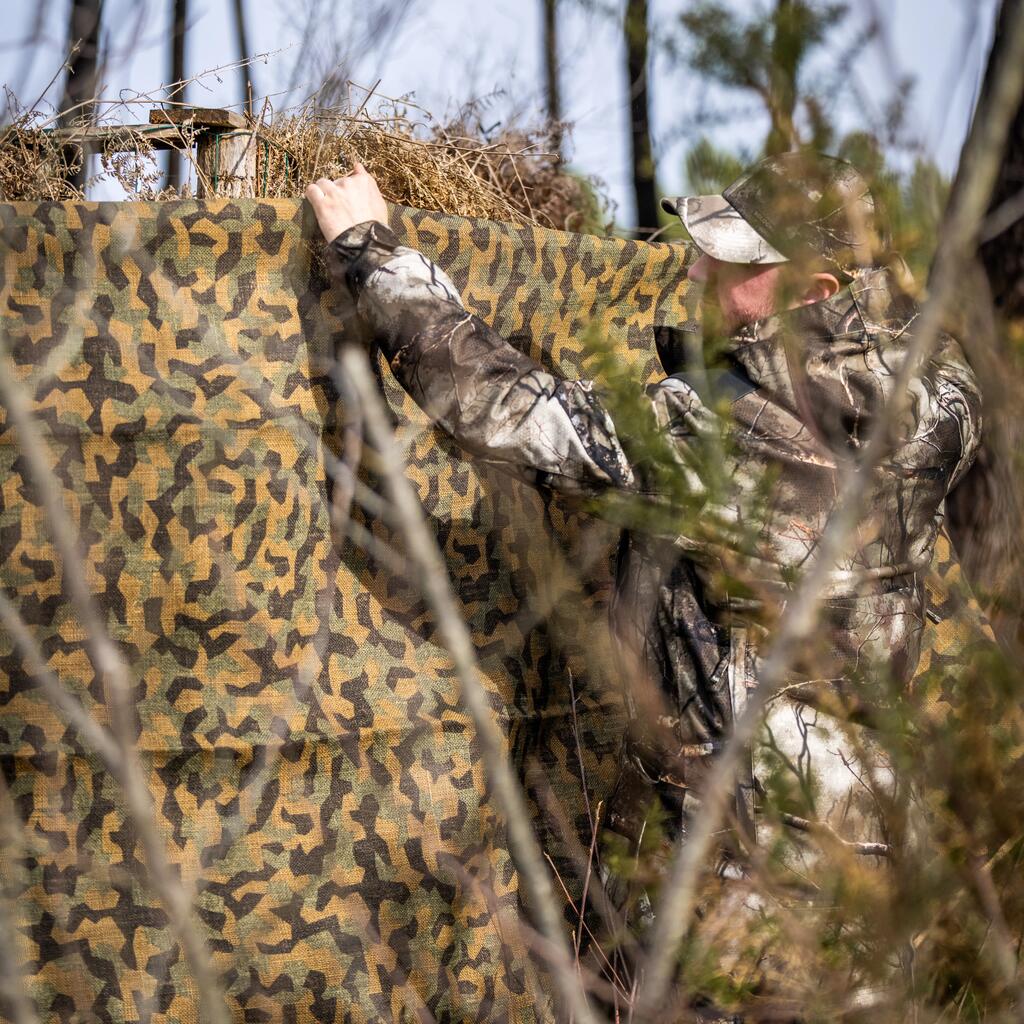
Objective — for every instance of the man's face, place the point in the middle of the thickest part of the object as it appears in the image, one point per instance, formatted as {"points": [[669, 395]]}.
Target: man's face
{"points": [[743, 292]]}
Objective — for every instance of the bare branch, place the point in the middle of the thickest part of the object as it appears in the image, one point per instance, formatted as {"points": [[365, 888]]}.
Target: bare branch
{"points": [[436, 589], [12, 838], [1004, 954]]}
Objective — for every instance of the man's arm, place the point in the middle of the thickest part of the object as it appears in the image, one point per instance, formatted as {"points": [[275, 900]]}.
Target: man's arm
{"points": [[493, 399]]}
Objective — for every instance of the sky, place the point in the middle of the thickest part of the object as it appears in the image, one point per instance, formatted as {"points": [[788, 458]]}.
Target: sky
{"points": [[445, 51]]}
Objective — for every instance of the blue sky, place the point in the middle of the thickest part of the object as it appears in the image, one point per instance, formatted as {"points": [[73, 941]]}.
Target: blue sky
{"points": [[448, 50]]}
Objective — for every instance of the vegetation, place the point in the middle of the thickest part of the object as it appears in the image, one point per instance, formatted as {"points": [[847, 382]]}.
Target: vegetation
{"points": [[927, 923]]}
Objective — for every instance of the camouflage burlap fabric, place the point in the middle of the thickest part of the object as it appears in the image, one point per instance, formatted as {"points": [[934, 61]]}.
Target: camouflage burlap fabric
{"points": [[186, 414], [312, 771]]}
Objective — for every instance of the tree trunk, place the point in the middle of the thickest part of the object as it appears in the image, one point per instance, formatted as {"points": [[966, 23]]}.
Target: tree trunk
{"points": [[986, 510], [80, 86], [553, 92], [1003, 256], [243, 54], [787, 52], [635, 32], [176, 92]]}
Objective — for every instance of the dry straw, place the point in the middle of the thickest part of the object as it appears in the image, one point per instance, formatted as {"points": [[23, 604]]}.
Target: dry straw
{"points": [[457, 168]]}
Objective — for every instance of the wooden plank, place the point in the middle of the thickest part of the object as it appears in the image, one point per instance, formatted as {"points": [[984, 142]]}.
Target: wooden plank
{"points": [[130, 135], [226, 159], [164, 130], [199, 117]]}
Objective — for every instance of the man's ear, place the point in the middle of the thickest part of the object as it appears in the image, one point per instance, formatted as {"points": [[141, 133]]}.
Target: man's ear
{"points": [[823, 286]]}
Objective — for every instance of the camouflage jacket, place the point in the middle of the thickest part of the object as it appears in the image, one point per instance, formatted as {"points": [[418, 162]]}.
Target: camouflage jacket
{"points": [[798, 420]]}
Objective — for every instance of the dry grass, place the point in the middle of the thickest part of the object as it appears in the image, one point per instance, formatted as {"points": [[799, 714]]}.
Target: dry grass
{"points": [[456, 167], [33, 167]]}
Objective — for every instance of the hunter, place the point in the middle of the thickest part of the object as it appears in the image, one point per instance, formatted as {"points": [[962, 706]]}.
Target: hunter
{"points": [[815, 324]]}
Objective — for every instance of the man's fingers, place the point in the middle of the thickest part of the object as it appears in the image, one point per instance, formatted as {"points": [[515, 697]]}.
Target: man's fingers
{"points": [[357, 170], [352, 199]]}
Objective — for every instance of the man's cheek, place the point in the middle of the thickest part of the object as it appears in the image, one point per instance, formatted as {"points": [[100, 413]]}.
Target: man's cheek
{"points": [[726, 298]]}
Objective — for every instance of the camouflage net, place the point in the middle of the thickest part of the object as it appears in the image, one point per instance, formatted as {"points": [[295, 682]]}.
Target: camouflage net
{"points": [[188, 423], [179, 357]]}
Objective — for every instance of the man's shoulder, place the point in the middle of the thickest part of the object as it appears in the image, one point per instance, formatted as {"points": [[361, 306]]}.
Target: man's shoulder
{"points": [[708, 386]]}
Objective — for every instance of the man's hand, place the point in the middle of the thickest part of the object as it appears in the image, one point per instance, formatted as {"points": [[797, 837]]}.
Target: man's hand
{"points": [[345, 202]]}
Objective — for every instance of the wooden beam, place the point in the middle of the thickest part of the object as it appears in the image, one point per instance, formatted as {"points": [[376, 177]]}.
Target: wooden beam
{"points": [[198, 117], [225, 144], [130, 135], [162, 132]]}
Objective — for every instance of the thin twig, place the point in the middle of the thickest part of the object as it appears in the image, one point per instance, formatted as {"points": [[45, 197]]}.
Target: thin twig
{"points": [[609, 914], [114, 673], [436, 588], [819, 828]]}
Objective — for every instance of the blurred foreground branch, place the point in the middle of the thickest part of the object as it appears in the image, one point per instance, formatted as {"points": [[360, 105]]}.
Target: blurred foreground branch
{"points": [[14, 996], [118, 751], [957, 245], [436, 588]]}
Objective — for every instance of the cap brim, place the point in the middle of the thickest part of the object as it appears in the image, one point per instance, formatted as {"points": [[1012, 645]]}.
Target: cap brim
{"points": [[717, 229]]}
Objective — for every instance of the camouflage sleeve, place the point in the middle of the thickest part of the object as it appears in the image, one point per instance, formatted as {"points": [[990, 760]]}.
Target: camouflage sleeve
{"points": [[846, 374], [949, 423], [943, 422], [942, 425], [494, 400]]}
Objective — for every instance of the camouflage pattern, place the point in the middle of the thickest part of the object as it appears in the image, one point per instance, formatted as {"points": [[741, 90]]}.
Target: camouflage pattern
{"points": [[367, 880], [792, 206], [956, 630], [188, 428], [802, 390]]}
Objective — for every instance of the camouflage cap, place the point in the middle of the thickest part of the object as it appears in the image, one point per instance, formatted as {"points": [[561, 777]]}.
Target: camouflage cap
{"points": [[787, 207]]}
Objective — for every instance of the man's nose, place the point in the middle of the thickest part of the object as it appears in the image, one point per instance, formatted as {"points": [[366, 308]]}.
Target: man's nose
{"points": [[698, 273]]}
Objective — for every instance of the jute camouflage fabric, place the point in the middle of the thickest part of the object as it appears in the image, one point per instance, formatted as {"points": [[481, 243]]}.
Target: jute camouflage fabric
{"points": [[187, 428], [178, 356]]}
